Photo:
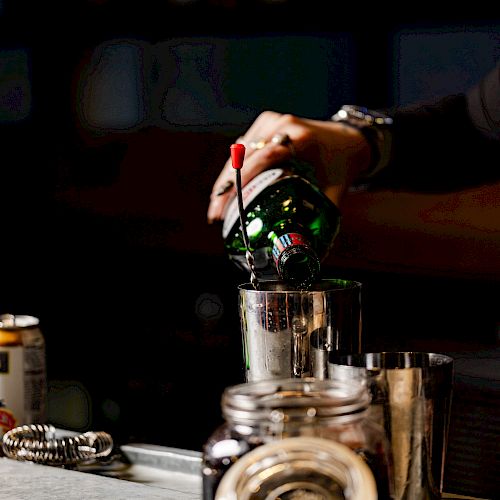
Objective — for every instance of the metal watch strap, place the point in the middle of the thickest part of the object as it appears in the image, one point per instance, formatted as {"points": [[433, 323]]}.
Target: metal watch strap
{"points": [[375, 127]]}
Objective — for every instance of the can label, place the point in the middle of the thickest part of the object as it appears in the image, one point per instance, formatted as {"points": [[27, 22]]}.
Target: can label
{"points": [[35, 390], [7, 420], [4, 362], [12, 388], [23, 379]]}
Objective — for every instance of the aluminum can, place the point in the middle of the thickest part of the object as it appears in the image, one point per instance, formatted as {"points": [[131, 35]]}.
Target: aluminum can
{"points": [[7, 420], [23, 375]]}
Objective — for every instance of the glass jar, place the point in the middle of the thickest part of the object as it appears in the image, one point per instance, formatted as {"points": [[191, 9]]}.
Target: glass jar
{"points": [[257, 413], [299, 467]]}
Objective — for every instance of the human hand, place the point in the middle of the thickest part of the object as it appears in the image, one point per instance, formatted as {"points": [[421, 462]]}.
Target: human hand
{"points": [[337, 151]]}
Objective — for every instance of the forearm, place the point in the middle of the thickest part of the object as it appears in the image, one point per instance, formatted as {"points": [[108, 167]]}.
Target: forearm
{"points": [[438, 148], [451, 144]]}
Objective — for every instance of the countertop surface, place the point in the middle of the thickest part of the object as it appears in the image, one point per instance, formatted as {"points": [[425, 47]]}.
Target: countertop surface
{"points": [[154, 472]]}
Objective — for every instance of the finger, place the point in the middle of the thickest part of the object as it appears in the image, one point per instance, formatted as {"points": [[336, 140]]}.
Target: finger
{"points": [[252, 166], [217, 206], [273, 153], [257, 136], [261, 160], [262, 125], [261, 153], [223, 189]]}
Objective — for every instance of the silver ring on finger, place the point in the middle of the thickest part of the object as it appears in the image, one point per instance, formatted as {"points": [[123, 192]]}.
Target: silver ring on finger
{"points": [[284, 140]]}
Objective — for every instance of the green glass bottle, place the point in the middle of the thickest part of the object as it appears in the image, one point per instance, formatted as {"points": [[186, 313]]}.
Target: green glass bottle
{"points": [[291, 226]]}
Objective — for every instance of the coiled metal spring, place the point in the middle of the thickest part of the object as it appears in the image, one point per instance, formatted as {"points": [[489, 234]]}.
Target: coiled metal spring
{"points": [[38, 443]]}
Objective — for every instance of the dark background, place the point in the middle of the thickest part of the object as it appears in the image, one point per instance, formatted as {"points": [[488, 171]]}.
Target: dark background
{"points": [[115, 119]]}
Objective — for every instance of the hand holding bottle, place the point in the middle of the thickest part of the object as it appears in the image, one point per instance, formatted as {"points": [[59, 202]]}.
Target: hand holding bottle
{"points": [[337, 151], [286, 226]]}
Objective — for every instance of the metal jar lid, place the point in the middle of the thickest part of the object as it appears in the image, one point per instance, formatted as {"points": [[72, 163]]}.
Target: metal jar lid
{"points": [[16, 322]]}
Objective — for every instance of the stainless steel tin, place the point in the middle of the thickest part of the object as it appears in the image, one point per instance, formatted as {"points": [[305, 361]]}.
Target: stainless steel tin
{"points": [[278, 324], [411, 397]]}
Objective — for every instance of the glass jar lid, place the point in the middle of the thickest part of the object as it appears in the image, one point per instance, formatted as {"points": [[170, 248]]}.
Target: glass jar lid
{"points": [[293, 399]]}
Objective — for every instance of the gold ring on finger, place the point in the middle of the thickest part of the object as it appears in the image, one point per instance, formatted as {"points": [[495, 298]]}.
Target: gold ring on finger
{"points": [[257, 143]]}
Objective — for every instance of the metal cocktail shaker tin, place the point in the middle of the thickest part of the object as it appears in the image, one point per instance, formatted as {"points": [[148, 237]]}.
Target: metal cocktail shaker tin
{"points": [[23, 378], [279, 325], [411, 398]]}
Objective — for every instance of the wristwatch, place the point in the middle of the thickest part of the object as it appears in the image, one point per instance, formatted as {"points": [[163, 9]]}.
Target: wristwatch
{"points": [[375, 127]]}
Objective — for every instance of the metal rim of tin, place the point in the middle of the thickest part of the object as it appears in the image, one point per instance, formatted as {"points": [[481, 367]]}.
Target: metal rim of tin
{"points": [[377, 361], [325, 285], [12, 322], [293, 399]]}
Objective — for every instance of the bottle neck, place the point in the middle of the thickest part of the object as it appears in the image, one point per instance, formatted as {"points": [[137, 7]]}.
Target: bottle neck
{"points": [[295, 258]]}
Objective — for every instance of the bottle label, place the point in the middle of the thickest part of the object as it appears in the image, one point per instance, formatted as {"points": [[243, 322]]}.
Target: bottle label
{"points": [[249, 193], [285, 241]]}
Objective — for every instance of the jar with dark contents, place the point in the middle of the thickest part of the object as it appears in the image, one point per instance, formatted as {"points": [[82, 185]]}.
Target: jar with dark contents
{"points": [[257, 413]]}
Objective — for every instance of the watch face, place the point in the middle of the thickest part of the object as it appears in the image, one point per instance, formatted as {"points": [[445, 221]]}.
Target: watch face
{"points": [[362, 116]]}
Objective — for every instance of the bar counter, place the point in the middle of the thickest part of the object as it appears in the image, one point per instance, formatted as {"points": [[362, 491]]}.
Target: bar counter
{"points": [[150, 472], [142, 471]]}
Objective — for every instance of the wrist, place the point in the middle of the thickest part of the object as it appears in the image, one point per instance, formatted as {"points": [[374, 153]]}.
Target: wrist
{"points": [[360, 155], [375, 127], [346, 162]]}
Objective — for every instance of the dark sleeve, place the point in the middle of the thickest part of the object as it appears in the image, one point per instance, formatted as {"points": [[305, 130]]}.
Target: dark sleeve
{"points": [[452, 144]]}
